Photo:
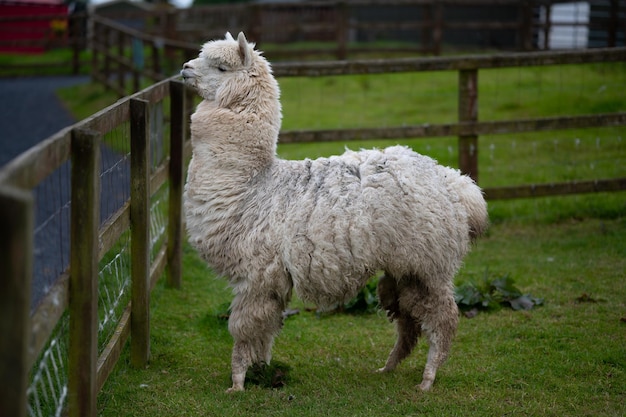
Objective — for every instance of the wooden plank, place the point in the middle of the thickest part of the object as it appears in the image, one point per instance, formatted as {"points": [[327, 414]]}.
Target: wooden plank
{"points": [[564, 188], [140, 232], [175, 232], [379, 66], [83, 307], [44, 319], [16, 258], [111, 353], [108, 118], [155, 92], [33, 165], [158, 265], [160, 176], [111, 231], [456, 129]]}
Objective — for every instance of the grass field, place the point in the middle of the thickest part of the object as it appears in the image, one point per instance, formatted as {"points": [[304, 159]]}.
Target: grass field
{"points": [[567, 357]]}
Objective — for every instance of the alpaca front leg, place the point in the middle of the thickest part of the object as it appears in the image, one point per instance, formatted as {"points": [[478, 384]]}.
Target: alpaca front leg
{"points": [[240, 363], [254, 322], [245, 354]]}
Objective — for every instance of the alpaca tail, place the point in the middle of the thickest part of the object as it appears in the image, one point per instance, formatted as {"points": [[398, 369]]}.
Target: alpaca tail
{"points": [[471, 197]]}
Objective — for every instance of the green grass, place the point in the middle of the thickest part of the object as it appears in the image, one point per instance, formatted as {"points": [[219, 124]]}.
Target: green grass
{"points": [[53, 62], [567, 357], [564, 358], [83, 100]]}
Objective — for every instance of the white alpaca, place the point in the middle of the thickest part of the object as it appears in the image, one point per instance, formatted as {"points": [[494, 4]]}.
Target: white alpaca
{"points": [[322, 227]]}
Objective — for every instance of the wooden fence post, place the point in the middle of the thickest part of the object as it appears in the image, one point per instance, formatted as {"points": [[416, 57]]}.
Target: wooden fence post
{"points": [[122, 68], [16, 258], [178, 128], [427, 30], [468, 112], [255, 23], [138, 60], [342, 25], [106, 39], [83, 306], [437, 27], [76, 36], [140, 232], [156, 60], [613, 24], [547, 25], [95, 53], [526, 25]]}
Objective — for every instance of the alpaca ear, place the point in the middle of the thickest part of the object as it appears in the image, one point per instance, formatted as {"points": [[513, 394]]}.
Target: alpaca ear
{"points": [[244, 50], [229, 37]]}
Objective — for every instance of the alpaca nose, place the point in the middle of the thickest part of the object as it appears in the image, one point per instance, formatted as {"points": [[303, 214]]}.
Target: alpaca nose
{"points": [[187, 71]]}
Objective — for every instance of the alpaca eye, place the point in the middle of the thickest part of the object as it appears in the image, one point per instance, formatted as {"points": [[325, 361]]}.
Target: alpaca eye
{"points": [[221, 68]]}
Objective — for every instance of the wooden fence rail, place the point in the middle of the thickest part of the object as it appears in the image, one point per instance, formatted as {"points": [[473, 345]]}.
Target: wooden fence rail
{"points": [[26, 332]]}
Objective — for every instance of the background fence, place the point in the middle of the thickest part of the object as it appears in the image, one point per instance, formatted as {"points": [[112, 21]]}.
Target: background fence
{"points": [[147, 38], [123, 58], [347, 28]]}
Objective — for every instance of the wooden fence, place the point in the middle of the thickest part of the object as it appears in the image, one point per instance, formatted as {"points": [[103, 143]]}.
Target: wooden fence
{"points": [[26, 332]]}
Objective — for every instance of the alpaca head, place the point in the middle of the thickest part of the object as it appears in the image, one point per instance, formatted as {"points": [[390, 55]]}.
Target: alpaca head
{"points": [[230, 72]]}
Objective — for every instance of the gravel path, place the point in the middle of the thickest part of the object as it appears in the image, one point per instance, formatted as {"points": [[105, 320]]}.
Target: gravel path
{"points": [[29, 113]]}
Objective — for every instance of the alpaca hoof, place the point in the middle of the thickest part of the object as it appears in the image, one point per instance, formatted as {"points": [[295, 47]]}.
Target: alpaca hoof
{"points": [[425, 385], [238, 381], [383, 370], [234, 389]]}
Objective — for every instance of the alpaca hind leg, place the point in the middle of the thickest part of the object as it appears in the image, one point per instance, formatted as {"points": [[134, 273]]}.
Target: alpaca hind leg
{"points": [[253, 323], [439, 325], [408, 334], [407, 327]]}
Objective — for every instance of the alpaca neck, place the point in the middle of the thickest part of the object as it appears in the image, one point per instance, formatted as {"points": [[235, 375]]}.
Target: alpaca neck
{"points": [[235, 144]]}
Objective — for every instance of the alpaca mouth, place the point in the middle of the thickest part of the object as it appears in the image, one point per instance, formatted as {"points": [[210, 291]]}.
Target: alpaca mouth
{"points": [[187, 74]]}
